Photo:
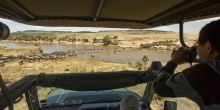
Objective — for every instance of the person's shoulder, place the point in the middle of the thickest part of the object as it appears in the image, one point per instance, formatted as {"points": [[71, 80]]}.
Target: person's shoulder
{"points": [[197, 68], [213, 63], [205, 67], [204, 79], [200, 74]]}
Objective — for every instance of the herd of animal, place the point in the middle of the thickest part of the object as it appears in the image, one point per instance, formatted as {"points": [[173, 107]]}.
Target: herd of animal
{"points": [[33, 58], [167, 43]]}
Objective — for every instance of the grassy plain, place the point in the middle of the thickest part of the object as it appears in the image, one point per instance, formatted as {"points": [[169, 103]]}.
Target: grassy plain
{"points": [[12, 71], [127, 38]]}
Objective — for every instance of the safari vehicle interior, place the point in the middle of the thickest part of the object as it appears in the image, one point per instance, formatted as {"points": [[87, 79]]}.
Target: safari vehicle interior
{"points": [[138, 14]]}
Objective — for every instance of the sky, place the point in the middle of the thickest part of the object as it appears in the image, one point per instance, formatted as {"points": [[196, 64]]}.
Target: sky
{"points": [[189, 27]]}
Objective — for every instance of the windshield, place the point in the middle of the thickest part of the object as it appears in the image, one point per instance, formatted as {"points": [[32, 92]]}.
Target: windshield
{"points": [[31, 52], [34, 52]]}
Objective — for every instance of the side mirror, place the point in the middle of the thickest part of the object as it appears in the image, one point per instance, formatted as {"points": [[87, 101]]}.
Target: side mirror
{"points": [[170, 105], [4, 31]]}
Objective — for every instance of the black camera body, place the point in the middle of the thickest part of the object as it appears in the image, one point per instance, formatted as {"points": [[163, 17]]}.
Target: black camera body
{"points": [[191, 54]]}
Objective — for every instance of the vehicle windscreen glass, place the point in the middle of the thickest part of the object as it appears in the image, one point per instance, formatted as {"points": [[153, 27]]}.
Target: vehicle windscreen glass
{"points": [[31, 50]]}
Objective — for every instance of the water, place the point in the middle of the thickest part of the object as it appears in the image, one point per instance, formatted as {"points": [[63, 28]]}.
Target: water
{"points": [[10, 44], [109, 54]]}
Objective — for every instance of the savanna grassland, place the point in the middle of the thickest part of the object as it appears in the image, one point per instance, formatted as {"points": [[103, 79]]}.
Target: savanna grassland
{"points": [[127, 38], [17, 68]]}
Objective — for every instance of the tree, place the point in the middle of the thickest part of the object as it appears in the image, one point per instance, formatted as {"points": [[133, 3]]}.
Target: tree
{"points": [[106, 40]]}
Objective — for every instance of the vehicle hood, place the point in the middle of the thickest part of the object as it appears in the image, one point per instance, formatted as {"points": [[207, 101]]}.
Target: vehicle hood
{"points": [[59, 96]]}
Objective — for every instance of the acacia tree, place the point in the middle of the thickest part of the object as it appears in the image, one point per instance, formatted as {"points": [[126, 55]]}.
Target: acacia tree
{"points": [[106, 40]]}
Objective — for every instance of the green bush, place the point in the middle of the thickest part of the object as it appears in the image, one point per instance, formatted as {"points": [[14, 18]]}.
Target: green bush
{"points": [[145, 60], [157, 97], [141, 65], [106, 40]]}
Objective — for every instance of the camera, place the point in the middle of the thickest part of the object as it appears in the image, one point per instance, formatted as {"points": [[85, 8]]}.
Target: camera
{"points": [[191, 54]]}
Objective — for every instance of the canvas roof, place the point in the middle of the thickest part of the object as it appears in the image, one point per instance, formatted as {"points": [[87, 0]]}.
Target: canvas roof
{"points": [[107, 13]]}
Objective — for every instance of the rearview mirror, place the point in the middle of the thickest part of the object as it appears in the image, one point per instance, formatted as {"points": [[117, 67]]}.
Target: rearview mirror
{"points": [[4, 31]]}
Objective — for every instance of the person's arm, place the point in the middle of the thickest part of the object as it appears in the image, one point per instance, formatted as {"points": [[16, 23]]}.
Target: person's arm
{"points": [[175, 85], [167, 76], [160, 85], [178, 84], [199, 83]]}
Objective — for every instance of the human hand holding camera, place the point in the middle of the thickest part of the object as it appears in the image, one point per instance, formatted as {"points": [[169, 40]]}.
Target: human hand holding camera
{"points": [[179, 56], [184, 54]]}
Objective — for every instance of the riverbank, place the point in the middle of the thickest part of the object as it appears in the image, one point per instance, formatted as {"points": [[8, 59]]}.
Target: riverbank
{"points": [[19, 51], [101, 53], [151, 39]]}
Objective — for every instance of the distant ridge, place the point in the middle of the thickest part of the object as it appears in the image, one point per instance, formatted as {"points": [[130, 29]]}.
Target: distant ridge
{"points": [[125, 31], [137, 31]]}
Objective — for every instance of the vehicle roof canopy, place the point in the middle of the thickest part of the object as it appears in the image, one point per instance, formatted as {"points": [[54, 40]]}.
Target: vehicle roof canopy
{"points": [[107, 13]]}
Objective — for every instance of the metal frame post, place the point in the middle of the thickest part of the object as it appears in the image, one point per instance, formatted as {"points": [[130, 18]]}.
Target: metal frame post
{"points": [[6, 94], [148, 96], [32, 99], [181, 34]]}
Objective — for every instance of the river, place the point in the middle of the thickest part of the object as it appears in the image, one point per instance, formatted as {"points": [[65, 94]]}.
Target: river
{"points": [[102, 53]]}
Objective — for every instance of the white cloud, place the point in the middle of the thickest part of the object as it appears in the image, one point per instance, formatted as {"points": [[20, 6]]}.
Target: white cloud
{"points": [[164, 28], [5, 20], [39, 27], [208, 20]]}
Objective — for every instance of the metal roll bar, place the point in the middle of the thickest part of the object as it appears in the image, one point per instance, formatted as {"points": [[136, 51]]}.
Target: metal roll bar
{"points": [[181, 34]]}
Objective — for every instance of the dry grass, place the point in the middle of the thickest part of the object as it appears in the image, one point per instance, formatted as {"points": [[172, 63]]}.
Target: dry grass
{"points": [[130, 38], [12, 72], [19, 51]]}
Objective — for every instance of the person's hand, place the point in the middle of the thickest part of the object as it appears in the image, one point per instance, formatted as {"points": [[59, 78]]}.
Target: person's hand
{"points": [[179, 56]]}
